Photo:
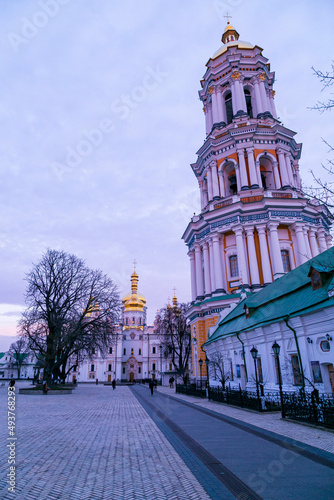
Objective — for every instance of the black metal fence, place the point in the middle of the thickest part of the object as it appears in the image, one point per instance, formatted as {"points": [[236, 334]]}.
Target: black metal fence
{"points": [[246, 399], [310, 408], [304, 407], [191, 390]]}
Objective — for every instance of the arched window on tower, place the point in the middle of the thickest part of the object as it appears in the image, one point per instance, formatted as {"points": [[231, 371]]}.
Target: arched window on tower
{"points": [[249, 103], [233, 183], [286, 261], [267, 175], [229, 108], [234, 270], [127, 321]]}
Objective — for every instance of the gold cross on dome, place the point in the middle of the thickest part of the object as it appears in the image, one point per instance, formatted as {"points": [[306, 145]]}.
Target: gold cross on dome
{"points": [[174, 289], [134, 264], [228, 17]]}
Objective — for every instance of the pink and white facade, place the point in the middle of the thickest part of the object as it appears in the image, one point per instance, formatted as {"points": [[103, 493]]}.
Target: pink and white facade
{"points": [[255, 224]]}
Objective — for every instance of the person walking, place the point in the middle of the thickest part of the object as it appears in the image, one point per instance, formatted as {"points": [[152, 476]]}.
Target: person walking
{"points": [[113, 383], [151, 386], [12, 382]]}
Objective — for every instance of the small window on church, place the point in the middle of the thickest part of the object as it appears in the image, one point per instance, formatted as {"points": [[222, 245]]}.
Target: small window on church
{"points": [[153, 350], [139, 369], [124, 351], [93, 350], [249, 104], [229, 109], [133, 321], [234, 266], [109, 367], [315, 279], [110, 350], [123, 370], [131, 352], [286, 261], [91, 368], [153, 366], [140, 321], [127, 321], [139, 352]]}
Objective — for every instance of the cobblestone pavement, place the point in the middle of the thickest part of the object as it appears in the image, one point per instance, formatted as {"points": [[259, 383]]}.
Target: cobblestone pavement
{"points": [[94, 444], [322, 439]]}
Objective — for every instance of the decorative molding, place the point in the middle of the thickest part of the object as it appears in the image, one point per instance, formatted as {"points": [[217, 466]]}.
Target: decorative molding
{"points": [[262, 76], [236, 75], [251, 199]]}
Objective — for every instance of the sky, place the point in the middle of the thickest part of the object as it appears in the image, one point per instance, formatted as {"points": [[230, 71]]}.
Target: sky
{"points": [[100, 121]]}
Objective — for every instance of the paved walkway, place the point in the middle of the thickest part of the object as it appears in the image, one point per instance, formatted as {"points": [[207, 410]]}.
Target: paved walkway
{"points": [[100, 444], [312, 436], [94, 444]]}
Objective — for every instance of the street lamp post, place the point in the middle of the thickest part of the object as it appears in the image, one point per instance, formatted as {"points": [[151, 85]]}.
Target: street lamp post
{"points": [[200, 362], [276, 348], [254, 353], [160, 347], [207, 361]]}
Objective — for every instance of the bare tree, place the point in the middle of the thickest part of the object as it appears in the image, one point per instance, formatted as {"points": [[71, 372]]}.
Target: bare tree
{"points": [[18, 351], [322, 192], [217, 364], [175, 336], [71, 309]]}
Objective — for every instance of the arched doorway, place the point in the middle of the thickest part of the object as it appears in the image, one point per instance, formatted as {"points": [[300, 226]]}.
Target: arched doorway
{"points": [[132, 376]]}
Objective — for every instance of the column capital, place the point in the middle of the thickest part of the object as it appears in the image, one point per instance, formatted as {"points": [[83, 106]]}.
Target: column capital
{"points": [[261, 228], [273, 225], [213, 163], [249, 230], [215, 237], [238, 230]]}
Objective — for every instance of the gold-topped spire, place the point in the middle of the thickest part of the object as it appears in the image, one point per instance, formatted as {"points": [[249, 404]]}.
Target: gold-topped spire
{"points": [[230, 33], [174, 298]]}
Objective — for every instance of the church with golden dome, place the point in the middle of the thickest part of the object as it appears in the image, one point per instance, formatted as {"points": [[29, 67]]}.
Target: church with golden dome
{"points": [[136, 351]]}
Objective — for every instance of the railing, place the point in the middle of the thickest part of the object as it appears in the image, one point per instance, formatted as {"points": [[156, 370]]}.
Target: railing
{"points": [[191, 390], [246, 399], [310, 408]]}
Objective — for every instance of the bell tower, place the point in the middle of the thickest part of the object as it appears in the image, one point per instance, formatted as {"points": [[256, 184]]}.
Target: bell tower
{"points": [[254, 224]]}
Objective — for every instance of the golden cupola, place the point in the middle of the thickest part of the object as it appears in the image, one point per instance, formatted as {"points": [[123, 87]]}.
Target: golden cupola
{"points": [[134, 301]]}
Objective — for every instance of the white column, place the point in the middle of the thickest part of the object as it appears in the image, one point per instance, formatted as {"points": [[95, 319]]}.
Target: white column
{"points": [[272, 103], [289, 170], [301, 248], [214, 179], [209, 181], [322, 239], [243, 171], [276, 175], [237, 174], [307, 244], [192, 275], [240, 96], [221, 184], [253, 264], [207, 121], [313, 243], [328, 241], [252, 168], [259, 105], [264, 98], [234, 98], [242, 264], [276, 256], [214, 107], [210, 120], [267, 276], [217, 262], [199, 271], [201, 190], [298, 181], [258, 173], [205, 192], [212, 267], [282, 166], [207, 280], [220, 104]]}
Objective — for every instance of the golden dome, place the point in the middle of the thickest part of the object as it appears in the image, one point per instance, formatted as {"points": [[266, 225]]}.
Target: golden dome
{"points": [[134, 301], [238, 44], [229, 27]]}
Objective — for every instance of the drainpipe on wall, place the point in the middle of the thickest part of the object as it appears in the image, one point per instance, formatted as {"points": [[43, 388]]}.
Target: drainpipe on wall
{"points": [[298, 350], [243, 354]]}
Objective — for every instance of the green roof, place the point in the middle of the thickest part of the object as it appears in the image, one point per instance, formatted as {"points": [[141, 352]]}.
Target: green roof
{"points": [[288, 296]]}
